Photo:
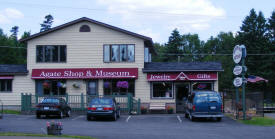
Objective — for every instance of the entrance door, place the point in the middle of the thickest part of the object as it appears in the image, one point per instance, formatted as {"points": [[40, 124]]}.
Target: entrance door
{"points": [[92, 88], [182, 91]]}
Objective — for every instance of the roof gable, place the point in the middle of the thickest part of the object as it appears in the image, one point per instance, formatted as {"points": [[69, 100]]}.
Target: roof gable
{"points": [[145, 38]]}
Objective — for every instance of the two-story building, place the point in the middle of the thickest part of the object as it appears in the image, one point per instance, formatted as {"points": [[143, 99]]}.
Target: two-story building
{"points": [[94, 58]]}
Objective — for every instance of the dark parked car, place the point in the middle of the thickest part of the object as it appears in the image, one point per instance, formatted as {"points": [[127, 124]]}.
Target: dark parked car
{"points": [[103, 107], [53, 106], [204, 104]]}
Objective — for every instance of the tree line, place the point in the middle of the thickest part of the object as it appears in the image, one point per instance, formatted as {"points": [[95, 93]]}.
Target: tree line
{"points": [[257, 33], [14, 52]]}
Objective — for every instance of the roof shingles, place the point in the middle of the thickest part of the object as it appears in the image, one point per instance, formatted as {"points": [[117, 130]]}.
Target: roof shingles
{"points": [[12, 69]]}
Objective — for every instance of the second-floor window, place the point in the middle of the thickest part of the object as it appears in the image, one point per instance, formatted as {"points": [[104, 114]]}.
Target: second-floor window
{"points": [[119, 53], [51, 53]]}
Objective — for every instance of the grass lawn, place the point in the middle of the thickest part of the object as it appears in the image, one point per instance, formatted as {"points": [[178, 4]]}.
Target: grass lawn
{"points": [[11, 112], [41, 135], [261, 121]]}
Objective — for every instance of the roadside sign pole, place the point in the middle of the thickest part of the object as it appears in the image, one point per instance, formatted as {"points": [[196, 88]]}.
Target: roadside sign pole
{"points": [[237, 103], [243, 91]]}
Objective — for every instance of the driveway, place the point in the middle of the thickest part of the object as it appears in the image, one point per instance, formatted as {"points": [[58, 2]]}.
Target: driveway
{"points": [[140, 126]]}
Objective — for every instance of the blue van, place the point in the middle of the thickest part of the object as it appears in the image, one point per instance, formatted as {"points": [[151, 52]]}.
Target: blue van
{"points": [[204, 104]]}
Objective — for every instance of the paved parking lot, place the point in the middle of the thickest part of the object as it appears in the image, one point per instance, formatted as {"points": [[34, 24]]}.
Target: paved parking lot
{"points": [[140, 126]]}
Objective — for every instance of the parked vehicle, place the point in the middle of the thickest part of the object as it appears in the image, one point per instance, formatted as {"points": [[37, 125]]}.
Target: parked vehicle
{"points": [[53, 106], [103, 107], [204, 104]]}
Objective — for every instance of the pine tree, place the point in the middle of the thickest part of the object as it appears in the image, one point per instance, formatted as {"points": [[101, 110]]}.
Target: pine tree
{"points": [[253, 35], [271, 28], [173, 46], [47, 23], [14, 32]]}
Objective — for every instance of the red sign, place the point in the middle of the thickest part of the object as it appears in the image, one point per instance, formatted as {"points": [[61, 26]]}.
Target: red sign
{"points": [[85, 73], [192, 76]]}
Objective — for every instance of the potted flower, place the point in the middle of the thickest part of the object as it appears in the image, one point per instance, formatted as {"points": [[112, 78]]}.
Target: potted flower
{"points": [[169, 109], [143, 110]]}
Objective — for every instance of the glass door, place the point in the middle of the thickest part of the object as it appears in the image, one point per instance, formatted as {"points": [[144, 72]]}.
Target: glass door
{"points": [[181, 90], [92, 88]]}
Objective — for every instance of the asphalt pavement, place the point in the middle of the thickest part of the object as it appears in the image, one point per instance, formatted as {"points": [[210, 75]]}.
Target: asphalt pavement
{"points": [[160, 126]]}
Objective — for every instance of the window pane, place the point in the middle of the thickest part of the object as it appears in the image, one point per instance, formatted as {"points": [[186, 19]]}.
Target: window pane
{"points": [[131, 53], [48, 53], [115, 53], [9, 85], [39, 53], [106, 53], [123, 53], [55, 53], [202, 86], [146, 54], [63, 53], [163, 89], [2, 85]]}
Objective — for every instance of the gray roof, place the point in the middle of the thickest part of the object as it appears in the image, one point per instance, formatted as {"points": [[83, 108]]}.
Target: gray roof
{"points": [[13, 69], [181, 66]]}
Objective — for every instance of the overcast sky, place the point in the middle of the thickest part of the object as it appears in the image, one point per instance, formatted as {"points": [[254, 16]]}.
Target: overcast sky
{"points": [[152, 18]]}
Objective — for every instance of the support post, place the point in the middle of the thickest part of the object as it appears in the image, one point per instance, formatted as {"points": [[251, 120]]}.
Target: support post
{"points": [[237, 103], [243, 91]]}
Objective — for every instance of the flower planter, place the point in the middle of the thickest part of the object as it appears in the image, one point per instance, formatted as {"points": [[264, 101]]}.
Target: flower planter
{"points": [[170, 111], [54, 128]]}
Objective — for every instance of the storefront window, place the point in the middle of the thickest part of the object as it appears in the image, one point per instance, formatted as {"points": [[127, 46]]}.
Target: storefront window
{"points": [[202, 86], [50, 87], [119, 87], [162, 90], [5, 85]]}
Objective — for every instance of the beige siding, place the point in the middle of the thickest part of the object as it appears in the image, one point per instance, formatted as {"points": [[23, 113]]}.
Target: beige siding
{"points": [[20, 84], [85, 50]]}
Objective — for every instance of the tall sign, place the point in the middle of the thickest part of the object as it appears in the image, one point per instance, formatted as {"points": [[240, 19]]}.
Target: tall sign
{"points": [[239, 54]]}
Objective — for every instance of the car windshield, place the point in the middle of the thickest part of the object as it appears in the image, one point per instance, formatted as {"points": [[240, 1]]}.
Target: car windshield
{"points": [[102, 102], [50, 100]]}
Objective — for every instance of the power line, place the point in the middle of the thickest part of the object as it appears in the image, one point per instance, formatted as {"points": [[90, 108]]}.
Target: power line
{"points": [[12, 47]]}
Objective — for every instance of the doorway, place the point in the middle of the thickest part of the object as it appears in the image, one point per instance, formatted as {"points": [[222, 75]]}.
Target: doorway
{"points": [[182, 90]]}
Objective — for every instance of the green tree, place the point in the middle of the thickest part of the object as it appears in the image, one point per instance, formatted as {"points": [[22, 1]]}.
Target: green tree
{"points": [[172, 47], [254, 35], [14, 31], [47, 23]]}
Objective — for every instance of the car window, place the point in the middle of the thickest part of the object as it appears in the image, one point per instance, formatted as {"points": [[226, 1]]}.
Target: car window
{"points": [[213, 97], [102, 102], [50, 100], [201, 98]]}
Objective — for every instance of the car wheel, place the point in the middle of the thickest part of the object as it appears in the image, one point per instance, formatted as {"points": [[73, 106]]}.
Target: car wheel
{"points": [[219, 119], [88, 118], [191, 117], [186, 115], [38, 116], [61, 115], [118, 114], [68, 114], [114, 117]]}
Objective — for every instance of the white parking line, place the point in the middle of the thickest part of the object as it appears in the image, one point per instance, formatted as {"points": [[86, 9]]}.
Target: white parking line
{"points": [[78, 117], [128, 118], [179, 119]]}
